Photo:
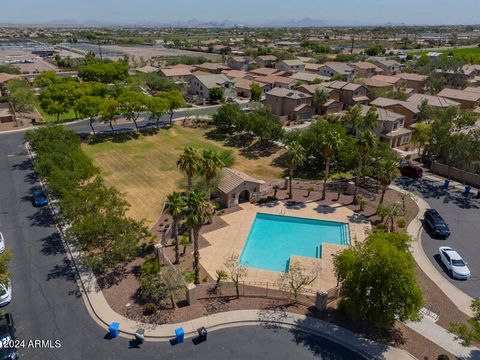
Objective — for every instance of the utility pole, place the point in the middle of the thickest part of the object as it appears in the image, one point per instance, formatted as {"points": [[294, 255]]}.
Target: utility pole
{"points": [[100, 50], [406, 40], [353, 42]]}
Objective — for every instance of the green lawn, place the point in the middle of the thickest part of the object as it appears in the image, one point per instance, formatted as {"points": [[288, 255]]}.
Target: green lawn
{"points": [[145, 169], [50, 118], [465, 53]]}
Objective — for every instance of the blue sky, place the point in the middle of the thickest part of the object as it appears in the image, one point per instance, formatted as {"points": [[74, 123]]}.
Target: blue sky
{"points": [[365, 11]]}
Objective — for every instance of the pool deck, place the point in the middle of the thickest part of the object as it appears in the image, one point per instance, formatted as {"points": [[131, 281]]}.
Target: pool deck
{"points": [[232, 238]]}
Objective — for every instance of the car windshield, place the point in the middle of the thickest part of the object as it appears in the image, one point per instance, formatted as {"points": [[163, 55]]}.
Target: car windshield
{"points": [[3, 291], [458, 263]]}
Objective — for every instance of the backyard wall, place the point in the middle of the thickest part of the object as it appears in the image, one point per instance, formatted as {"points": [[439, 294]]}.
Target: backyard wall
{"points": [[456, 174]]}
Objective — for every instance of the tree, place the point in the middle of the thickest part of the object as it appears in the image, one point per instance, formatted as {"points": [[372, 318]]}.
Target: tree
{"points": [[236, 271], [320, 97], [175, 207], [265, 126], [471, 332], [296, 279], [255, 92], [215, 95], [365, 144], [356, 122], [390, 211], [172, 283], [210, 165], [105, 72], [57, 99], [157, 107], [229, 118], [198, 211], [175, 101], [294, 157], [5, 258], [374, 50], [189, 163], [331, 142], [132, 104], [89, 107], [110, 111], [421, 134], [378, 281], [386, 173], [20, 96]]}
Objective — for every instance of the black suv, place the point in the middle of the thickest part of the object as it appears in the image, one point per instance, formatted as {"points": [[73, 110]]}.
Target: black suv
{"points": [[435, 223], [7, 334], [410, 170]]}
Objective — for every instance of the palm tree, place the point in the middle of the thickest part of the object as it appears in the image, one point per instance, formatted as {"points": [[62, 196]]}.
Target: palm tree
{"points": [[197, 212], [189, 163], [294, 157], [357, 122], [365, 144], [320, 97], [386, 173], [175, 207], [331, 142], [210, 164]]}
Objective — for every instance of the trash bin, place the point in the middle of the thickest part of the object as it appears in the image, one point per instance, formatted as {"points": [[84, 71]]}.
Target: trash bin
{"points": [[202, 334], [140, 336], [113, 329], [467, 191], [446, 183], [179, 335]]}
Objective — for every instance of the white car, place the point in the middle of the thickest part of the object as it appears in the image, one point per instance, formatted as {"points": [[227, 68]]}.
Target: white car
{"points": [[5, 294], [2, 243], [454, 263]]}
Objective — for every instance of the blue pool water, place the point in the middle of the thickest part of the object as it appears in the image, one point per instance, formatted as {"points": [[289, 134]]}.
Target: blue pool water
{"points": [[274, 238]]}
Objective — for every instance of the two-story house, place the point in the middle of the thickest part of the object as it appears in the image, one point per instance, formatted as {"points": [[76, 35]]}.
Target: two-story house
{"points": [[466, 99], [289, 104], [267, 61], [350, 93], [413, 81], [291, 66], [240, 62], [389, 67], [200, 85], [331, 69], [365, 69], [409, 110]]}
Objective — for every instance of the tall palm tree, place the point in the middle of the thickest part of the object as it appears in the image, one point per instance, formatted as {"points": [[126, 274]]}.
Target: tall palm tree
{"points": [[331, 143], [320, 97], [365, 144], [295, 156], [386, 173], [197, 212], [189, 163], [357, 122], [210, 164], [175, 207]]}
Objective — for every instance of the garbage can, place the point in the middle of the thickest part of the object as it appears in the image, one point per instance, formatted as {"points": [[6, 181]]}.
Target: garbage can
{"points": [[202, 334], [140, 336], [446, 183], [179, 335], [467, 191], [113, 329]]}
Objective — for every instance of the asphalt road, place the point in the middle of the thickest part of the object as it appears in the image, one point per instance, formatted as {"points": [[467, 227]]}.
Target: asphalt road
{"points": [[463, 217], [47, 305]]}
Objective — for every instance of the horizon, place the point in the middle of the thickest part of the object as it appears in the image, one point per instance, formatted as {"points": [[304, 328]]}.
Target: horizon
{"points": [[371, 12]]}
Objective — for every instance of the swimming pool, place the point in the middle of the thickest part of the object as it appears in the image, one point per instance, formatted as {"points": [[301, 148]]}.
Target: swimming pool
{"points": [[274, 238]]}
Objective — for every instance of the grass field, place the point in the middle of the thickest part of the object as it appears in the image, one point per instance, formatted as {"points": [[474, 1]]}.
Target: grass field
{"points": [[51, 118], [144, 169], [466, 53]]}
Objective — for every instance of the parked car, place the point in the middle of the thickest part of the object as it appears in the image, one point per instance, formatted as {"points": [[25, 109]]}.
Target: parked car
{"points": [[39, 198], [7, 333], [435, 224], [5, 294], [454, 263], [410, 170], [2, 243]]}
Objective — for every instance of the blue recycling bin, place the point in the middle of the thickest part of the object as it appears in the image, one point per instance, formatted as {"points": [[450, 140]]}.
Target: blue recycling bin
{"points": [[467, 191], [113, 329], [179, 335], [446, 183]]}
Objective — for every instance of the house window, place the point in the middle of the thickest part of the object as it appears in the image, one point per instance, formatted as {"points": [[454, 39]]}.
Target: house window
{"points": [[233, 196]]}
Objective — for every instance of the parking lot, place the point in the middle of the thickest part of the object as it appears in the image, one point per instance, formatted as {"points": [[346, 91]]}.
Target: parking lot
{"points": [[463, 217]]}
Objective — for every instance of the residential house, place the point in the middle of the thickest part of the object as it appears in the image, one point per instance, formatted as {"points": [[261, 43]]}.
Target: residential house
{"points": [[413, 81], [389, 67], [312, 68], [350, 94], [332, 106], [409, 110], [365, 69], [200, 85], [390, 127], [331, 69], [394, 82], [240, 62], [454, 78], [234, 74], [290, 65], [472, 73], [176, 74], [432, 100], [274, 81], [213, 68], [265, 72], [267, 61], [236, 187], [467, 99], [147, 69], [308, 78], [289, 104], [242, 87]]}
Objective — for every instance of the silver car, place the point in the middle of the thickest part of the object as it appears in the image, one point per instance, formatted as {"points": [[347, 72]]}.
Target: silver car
{"points": [[454, 263], [2, 243]]}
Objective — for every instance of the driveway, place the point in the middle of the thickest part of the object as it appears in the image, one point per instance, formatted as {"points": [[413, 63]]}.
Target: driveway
{"points": [[463, 218], [47, 305]]}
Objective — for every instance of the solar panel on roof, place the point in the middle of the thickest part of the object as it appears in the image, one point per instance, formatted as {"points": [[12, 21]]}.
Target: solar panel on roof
{"points": [[290, 94]]}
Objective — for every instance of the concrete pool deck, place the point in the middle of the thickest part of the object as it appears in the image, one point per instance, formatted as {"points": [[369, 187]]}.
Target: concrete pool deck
{"points": [[232, 238]]}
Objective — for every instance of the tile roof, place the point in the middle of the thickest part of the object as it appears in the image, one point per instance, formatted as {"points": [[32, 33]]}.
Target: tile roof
{"points": [[338, 67], [412, 76], [309, 77], [175, 72], [292, 94], [213, 80], [231, 179], [432, 100], [234, 74], [385, 102], [460, 95], [383, 114]]}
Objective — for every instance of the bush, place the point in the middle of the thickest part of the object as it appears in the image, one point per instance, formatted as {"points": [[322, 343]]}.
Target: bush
{"points": [[381, 227], [267, 199], [401, 223], [149, 309], [189, 276], [150, 266]]}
